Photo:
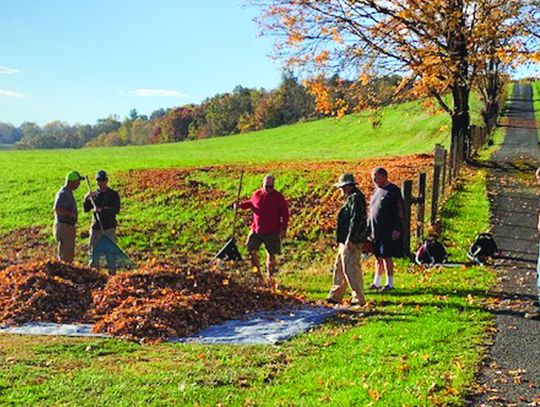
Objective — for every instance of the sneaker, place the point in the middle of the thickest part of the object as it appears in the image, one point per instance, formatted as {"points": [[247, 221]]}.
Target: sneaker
{"points": [[387, 288], [332, 301], [533, 315], [374, 287], [356, 301]]}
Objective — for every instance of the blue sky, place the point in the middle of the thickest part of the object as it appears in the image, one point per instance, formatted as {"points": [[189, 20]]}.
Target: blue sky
{"points": [[80, 60]]}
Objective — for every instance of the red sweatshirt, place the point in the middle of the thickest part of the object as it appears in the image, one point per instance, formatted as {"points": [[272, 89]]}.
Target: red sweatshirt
{"points": [[270, 211]]}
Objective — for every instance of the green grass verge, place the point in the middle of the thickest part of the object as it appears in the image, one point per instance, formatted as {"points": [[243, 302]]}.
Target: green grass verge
{"points": [[536, 103], [418, 345]]}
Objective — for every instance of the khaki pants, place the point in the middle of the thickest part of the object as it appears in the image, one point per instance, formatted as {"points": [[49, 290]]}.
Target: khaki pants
{"points": [[95, 237], [347, 270], [64, 235]]}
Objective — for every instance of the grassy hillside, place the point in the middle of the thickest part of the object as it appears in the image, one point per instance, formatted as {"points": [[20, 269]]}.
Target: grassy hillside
{"points": [[417, 345], [31, 178]]}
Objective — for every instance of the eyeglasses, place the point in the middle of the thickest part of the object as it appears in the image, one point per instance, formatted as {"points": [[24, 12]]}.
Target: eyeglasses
{"points": [[269, 186]]}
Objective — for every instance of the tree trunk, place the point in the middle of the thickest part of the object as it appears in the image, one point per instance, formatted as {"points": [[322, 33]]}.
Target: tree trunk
{"points": [[460, 126], [457, 44], [492, 91]]}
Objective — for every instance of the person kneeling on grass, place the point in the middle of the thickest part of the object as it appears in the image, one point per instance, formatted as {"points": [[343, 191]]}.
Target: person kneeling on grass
{"points": [[351, 234], [269, 226]]}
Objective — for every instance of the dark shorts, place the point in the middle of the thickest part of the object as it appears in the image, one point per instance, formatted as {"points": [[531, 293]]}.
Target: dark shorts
{"points": [[388, 248], [272, 242]]}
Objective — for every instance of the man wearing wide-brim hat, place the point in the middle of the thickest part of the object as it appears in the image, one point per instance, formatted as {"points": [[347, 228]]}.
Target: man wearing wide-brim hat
{"points": [[351, 233], [66, 216]]}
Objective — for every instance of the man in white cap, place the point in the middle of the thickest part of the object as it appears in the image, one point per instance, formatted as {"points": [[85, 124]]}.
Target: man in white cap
{"points": [[66, 216], [269, 226], [352, 232]]}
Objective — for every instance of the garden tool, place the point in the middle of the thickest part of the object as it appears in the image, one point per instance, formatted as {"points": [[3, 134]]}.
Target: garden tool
{"points": [[106, 248], [230, 250]]}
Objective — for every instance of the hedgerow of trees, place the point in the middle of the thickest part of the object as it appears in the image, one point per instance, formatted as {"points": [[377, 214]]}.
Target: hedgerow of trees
{"points": [[239, 111]]}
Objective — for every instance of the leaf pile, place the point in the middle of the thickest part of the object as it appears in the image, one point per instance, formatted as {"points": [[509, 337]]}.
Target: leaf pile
{"points": [[205, 193], [159, 301], [47, 291]]}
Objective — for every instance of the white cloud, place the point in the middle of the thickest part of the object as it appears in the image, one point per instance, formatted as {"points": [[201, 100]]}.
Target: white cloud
{"points": [[147, 93], [6, 70], [10, 93]]}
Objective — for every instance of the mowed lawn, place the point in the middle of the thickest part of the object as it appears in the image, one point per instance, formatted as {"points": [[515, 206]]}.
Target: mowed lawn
{"points": [[418, 345]]}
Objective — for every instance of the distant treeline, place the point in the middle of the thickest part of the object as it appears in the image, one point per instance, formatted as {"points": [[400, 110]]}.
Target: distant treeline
{"points": [[242, 110]]}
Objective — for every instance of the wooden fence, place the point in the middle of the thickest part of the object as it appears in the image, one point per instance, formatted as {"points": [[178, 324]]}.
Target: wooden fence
{"points": [[433, 189]]}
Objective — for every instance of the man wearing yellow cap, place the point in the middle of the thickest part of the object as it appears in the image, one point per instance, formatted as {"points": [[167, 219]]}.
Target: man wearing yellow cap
{"points": [[65, 217]]}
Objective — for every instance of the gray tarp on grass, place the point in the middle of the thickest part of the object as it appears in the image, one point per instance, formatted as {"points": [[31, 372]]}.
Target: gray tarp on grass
{"points": [[49, 328], [260, 328]]}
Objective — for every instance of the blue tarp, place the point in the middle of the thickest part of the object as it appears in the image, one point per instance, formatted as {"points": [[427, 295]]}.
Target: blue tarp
{"points": [[260, 328]]}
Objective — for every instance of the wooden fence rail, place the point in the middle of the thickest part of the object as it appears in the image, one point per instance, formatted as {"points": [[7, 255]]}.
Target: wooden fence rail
{"points": [[445, 171]]}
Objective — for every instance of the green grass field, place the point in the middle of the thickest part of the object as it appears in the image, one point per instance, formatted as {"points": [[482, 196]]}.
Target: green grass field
{"points": [[31, 178], [536, 102], [418, 345]]}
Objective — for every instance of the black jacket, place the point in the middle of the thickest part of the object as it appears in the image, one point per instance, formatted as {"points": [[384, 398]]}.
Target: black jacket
{"points": [[109, 202]]}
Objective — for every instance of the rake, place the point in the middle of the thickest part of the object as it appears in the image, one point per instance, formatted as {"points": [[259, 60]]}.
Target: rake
{"points": [[230, 251], [106, 248]]}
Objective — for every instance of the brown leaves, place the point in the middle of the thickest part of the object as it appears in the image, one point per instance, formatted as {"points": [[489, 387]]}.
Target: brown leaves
{"points": [[48, 291], [158, 302], [151, 304]]}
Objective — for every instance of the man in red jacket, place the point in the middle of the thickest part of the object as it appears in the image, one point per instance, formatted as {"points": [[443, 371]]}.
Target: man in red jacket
{"points": [[269, 226]]}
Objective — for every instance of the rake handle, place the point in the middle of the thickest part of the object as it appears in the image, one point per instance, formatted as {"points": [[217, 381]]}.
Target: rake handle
{"points": [[96, 214], [236, 203]]}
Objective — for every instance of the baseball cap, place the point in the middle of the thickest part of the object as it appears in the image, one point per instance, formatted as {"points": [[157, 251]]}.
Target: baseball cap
{"points": [[101, 175], [73, 176]]}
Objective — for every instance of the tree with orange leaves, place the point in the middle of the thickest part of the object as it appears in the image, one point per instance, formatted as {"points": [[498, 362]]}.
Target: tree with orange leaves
{"points": [[438, 46]]}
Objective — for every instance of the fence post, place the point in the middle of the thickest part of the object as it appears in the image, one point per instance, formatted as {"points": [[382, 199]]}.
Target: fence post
{"points": [[421, 200], [459, 158], [473, 141], [444, 172], [440, 154], [406, 188], [451, 160]]}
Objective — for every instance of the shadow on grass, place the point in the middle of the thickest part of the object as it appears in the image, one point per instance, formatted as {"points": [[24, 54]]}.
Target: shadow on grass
{"points": [[525, 167], [453, 299]]}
